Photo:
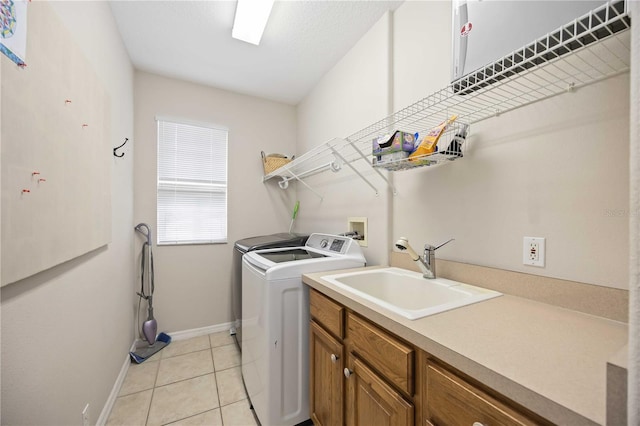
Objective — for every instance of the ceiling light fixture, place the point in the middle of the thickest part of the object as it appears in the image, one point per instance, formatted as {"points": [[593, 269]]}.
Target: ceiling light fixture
{"points": [[251, 19]]}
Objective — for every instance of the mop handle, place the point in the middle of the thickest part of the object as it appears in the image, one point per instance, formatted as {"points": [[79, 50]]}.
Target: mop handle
{"points": [[295, 214]]}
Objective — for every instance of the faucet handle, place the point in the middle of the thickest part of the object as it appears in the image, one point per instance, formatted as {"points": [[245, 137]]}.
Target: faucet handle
{"points": [[429, 247]]}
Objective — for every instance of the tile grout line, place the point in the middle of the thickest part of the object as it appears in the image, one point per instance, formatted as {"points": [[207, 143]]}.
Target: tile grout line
{"points": [[153, 391], [189, 378], [184, 380], [215, 375], [188, 417], [185, 354]]}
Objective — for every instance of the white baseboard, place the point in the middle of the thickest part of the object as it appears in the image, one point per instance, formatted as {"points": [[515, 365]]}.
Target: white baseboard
{"points": [[111, 400], [175, 336], [195, 332]]}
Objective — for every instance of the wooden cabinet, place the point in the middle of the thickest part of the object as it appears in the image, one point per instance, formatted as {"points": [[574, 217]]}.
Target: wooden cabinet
{"points": [[325, 378], [375, 388], [363, 375]]}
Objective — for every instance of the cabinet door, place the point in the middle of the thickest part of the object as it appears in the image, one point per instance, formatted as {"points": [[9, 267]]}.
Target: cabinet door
{"points": [[325, 378], [372, 402]]}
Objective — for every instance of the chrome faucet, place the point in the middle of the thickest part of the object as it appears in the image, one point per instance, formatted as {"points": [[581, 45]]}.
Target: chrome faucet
{"points": [[426, 262]]}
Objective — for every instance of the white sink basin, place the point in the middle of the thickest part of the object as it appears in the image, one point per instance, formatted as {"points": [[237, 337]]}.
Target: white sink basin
{"points": [[407, 293]]}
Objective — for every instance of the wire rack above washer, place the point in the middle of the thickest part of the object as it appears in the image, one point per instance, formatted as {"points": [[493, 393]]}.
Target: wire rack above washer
{"points": [[333, 155], [591, 48]]}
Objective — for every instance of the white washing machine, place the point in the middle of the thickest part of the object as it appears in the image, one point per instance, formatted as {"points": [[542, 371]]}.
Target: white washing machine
{"points": [[275, 323]]}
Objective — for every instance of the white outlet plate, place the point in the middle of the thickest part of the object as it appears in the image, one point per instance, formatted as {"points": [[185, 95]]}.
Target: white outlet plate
{"points": [[533, 251]]}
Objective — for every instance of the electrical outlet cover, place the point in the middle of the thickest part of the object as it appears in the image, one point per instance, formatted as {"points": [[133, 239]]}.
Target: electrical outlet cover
{"points": [[533, 251]]}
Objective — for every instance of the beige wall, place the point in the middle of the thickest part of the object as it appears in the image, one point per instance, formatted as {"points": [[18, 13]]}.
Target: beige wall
{"points": [[193, 282], [66, 331], [557, 169], [353, 94], [421, 50]]}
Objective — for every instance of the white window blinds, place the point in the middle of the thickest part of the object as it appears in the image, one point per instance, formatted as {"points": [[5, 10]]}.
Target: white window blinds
{"points": [[192, 183]]}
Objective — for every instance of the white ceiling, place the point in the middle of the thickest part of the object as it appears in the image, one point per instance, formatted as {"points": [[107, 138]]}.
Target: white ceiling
{"points": [[191, 40]]}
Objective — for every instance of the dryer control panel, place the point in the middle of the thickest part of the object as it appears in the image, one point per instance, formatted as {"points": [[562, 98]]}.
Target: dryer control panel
{"points": [[330, 243]]}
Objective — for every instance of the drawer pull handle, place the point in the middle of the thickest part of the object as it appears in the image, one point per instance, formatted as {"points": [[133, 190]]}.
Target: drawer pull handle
{"points": [[347, 373], [334, 358], [477, 424]]}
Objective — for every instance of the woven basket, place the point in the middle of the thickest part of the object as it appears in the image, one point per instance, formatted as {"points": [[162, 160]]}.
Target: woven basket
{"points": [[271, 163]]}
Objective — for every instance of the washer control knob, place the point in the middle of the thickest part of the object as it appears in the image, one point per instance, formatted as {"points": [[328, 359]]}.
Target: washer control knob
{"points": [[324, 243]]}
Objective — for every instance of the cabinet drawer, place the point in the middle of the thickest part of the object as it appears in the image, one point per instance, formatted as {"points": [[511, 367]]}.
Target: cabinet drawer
{"points": [[452, 401], [392, 358], [327, 312]]}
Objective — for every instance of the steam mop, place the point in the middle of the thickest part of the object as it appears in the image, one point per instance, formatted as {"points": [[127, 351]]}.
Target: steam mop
{"points": [[155, 342]]}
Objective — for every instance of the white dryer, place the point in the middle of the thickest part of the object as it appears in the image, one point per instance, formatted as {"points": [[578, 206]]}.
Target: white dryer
{"points": [[275, 323]]}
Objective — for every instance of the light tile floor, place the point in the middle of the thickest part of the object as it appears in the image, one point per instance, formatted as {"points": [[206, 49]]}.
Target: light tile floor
{"points": [[190, 382]]}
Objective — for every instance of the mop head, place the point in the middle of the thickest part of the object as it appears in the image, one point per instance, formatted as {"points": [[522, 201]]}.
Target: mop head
{"points": [[143, 353]]}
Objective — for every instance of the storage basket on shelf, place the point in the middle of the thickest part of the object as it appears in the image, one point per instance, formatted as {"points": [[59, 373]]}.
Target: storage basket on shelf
{"points": [[402, 152], [272, 162]]}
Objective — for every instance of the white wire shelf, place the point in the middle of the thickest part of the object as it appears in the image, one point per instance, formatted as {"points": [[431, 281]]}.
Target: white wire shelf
{"points": [[333, 155], [587, 50]]}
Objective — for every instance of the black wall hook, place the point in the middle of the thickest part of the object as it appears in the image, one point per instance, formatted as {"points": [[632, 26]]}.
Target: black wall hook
{"points": [[118, 147]]}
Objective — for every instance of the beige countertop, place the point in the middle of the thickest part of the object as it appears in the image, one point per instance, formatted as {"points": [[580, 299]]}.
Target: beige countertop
{"points": [[550, 360]]}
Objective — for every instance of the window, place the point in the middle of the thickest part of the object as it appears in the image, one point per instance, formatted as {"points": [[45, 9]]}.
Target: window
{"points": [[192, 183]]}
